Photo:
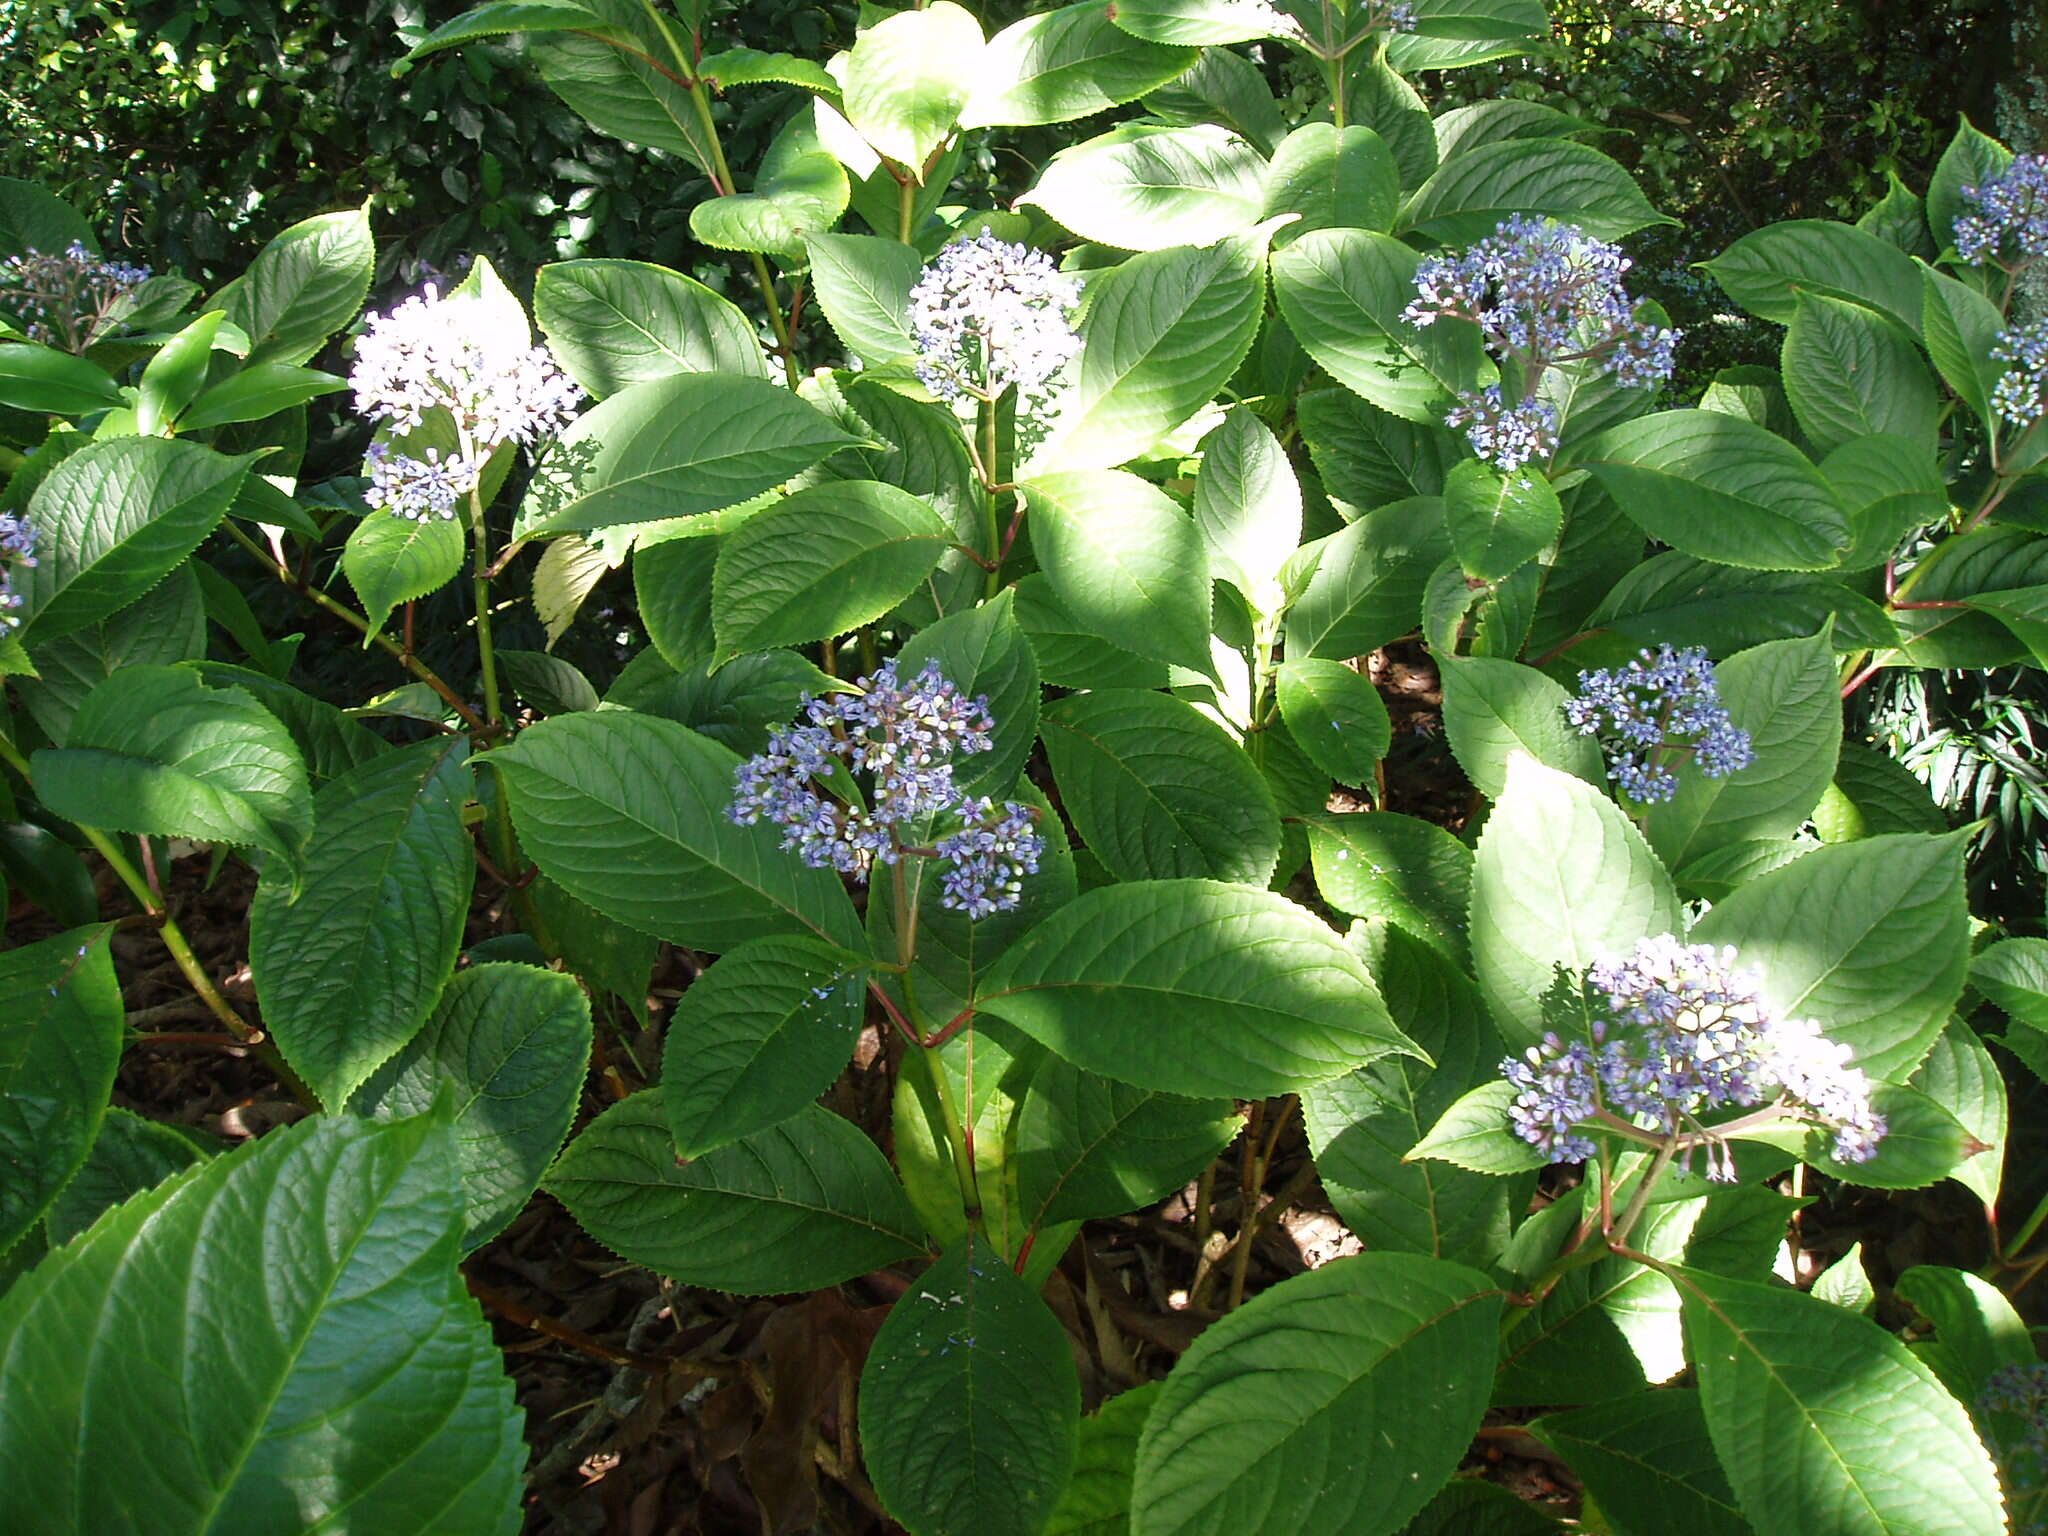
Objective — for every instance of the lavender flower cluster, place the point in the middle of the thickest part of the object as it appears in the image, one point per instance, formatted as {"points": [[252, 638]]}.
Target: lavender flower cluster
{"points": [[17, 547], [2021, 393], [988, 314], [428, 355], [1541, 294], [2008, 218], [903, 738], [2021, 1390], [61, 299], [1660, 703], [1685, 1031]]}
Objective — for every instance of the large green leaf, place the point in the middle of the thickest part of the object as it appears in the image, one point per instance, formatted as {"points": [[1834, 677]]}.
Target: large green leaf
{"points": [[166, 624], [1961, 1076], [60, 1041], [617, 323], [153, 750], [48, 382], [821, 563], [804, 1204], [907, 78], [1499, 523], [130, 1154], [1342, 291], [1193, 987], [757, 1038], [629, 92], [348, 971], [33, 219], [1065, 64], [1808, 1405], [1977, 1330], [1144, 188], [672, 447], [1163, 332], [1125, 562], [1562, 877], [1849, 374], [1197, 22], [1098, 1500], [736, 705], [1960, 327], [350, 1384], [1494, 709], [1367, 581], [1411, 873], [1335, 715], [509, 1044], [1648, 1460], [391, 560], [1473, 192], [984, 652], [626, 812], [799, 190], [1158, 790], [1089, 1146], [116, 517], [1870, 938], [1333, 178], [302, 287], [1723, 489], [1382, 1361], [969, 1402], [1768, 269], [1071, 654], [2013, 973], [863, 284], [498, 17], [1673, 599]]}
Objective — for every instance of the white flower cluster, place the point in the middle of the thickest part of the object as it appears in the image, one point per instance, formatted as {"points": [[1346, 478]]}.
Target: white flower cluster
{"points": [[988, 314]]}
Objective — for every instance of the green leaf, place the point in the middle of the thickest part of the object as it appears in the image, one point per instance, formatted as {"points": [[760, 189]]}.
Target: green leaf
{"points": [[612, 324], [1450, 34], [1977, 1331], [1163, 332], [509, 1044], [175, 375], [1224, 88], [604, 954], [674, 447], [863, 285], [153, 750], [763, 1033], [1333, 178], [623, 91], [626, 813], [1158, 790], [1125, 562], [1342, 291], [1767, 270], [1873, 793], [549, 684], [799, 191], [1196, 23], [804, 1204], [1367, 581], [907, 78], [1967, 566], [1193, 987], [568, 569], [1087, 1146], [48, 873], [53, 383], [822, 563], [1471, 1506], [1098, 1499], [302, 287], [1899, 218], [969, 1402], [390, 560], [1562, 877], [1473, 192], [2013, 973], [502, 16], [1960, 1075], [1070, 653], [32, 219], [1335, 716], [1923, 1143], [1808, 1405], [1494, 709], [130, 1154], [737, 705], [1489, 122], [349, 970], [672, 589], [983, 652], [1849, 374], [1388, 1355], [1144, 188], [1065, 64], [1787, 695], [1648, 1461], [1845, 1283], [1247, 507], [167, 624], [1961, 326], [1870, 938], [116, 517], [1379, 864], [60, 1041], [1673, 599], [1474, 1134], [358, 1388], [1722, 489], [255, 394], [1970, 160], [1499, 523]]}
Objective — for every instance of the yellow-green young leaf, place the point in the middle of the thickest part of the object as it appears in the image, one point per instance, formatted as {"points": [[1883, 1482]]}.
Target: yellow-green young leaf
{"points": [[390, 560], [1471, 193], [302, 287], [1648, 1460], [627, 813], [48, 382], [502, 16], [1808, 1405], [305, 1405], [349, 970], [1387, 1356], [1158, 790], [1144, 188], [803, 1204], [1871, 938], [116, 517], [562, 578], [1065, 64], [60, 1041], [1098, 1499], [616, 323], [1335, 716], [153, 750], [673, 447], [1850, 373], [1193, 987], [129, 1155], [1333, 178], [824, 562], [969, 1402], [509, 1044], [907, 78]]}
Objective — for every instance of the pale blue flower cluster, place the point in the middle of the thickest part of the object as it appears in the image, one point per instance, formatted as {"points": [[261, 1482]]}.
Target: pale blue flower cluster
{"points": [[1542, 294], [902, 738], [61, 298], [988, 314], [2021, 393], [429, 354], [2008, 218], [17, 547], [1684, 1031], [1662, 702]]}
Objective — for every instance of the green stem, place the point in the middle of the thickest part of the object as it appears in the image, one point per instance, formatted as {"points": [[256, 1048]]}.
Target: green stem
{"points": [[480, 585], [1335, 68], [2025, 1235], [1645, 1187], [906, 209], [988, 497], [950, 1125]]}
